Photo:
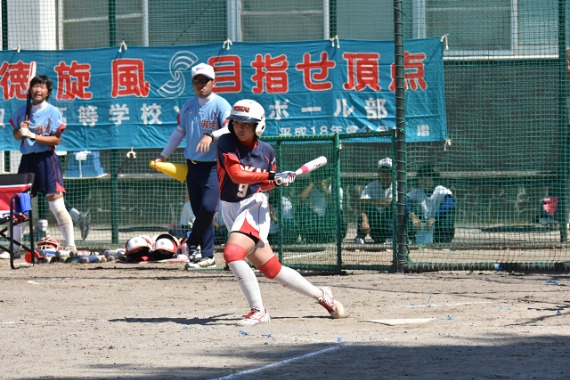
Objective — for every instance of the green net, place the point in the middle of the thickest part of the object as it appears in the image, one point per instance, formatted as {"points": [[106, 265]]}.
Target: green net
{"points": [[505, 160]]}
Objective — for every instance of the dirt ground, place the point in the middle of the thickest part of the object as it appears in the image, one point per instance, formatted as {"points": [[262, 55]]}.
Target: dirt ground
{"points": [[157, 321]]}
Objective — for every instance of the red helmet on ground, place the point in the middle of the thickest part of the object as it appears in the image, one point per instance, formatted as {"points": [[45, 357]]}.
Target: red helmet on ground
{"points": [[48, 242]]}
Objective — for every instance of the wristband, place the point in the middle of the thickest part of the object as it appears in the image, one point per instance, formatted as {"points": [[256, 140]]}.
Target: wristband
{"points": [[271, 176], [211, 135]]}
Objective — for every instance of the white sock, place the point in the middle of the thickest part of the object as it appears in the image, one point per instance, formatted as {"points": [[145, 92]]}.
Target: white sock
{"points": [[248, 283], [293, 280], [64, 221], [18, 233]]}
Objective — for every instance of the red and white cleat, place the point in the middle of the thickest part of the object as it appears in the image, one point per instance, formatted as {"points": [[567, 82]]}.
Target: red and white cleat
{"points": [[254, 317], [335, 308]]}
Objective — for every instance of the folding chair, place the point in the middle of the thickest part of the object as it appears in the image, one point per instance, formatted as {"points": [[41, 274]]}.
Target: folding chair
{"points": [[15, 196]]}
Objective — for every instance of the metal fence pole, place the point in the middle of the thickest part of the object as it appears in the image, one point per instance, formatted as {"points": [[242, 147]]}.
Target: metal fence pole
{"points": [[114, 153], [563, 119], [112, 7], [337, 201], [279, 206], [4, 24], [114, 197], [401, 174]]}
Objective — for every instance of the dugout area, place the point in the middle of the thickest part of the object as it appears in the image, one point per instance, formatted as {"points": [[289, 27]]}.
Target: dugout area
{"points": [[498, 224]]}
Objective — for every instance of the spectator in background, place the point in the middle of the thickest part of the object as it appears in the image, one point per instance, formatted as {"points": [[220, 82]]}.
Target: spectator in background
{"points": [[284, 226], [375, 212], [316, 212], [431, 207]]}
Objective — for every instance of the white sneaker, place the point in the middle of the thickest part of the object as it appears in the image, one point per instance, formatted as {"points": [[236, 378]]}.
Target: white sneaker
{"points": [[203, 263], [5, 255], [358, 240], [335, 308], [254, 317]]}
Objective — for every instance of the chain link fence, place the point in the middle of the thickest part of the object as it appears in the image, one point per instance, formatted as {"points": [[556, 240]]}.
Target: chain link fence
{"points": [[505, 159]]}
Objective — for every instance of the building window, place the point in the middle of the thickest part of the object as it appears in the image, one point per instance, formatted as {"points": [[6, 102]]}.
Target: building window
{"points": [[483, 28], [267, 21], [140, 23]]}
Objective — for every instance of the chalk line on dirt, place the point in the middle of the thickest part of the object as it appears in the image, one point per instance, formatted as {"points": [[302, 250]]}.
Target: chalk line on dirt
{"points": [[282, 363]]}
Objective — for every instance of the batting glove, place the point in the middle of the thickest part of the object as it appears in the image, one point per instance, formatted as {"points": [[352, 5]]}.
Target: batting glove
{"points": [[25, 132], [285, 178]]}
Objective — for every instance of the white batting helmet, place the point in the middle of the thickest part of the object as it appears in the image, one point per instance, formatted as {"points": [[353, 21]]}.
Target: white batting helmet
{"points": [[138, 245], [166, 243], [249, 111]]}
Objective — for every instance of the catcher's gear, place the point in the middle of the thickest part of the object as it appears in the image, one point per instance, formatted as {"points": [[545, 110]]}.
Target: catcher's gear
{"points": [[165, 246], [249, 111], [48, 243], [138, 248]]}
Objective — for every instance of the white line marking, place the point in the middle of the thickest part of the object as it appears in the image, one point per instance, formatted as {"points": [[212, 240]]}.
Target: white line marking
{"points": [[281, 363], [49, 322], [448, 305], [393, 322]]}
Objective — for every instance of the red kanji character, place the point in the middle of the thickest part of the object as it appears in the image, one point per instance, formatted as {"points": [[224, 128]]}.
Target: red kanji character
{"points": [[14, 78], [228, 73], [73, 80], [413, 72], [271, 70], [362, 71], [316, 71], [128, 78]]}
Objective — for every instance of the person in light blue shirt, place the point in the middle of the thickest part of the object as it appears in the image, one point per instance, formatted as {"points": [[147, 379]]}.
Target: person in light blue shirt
{"points": [[315, 210], [430, 207], [38, 126], [283, 224], [202, 120]]}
